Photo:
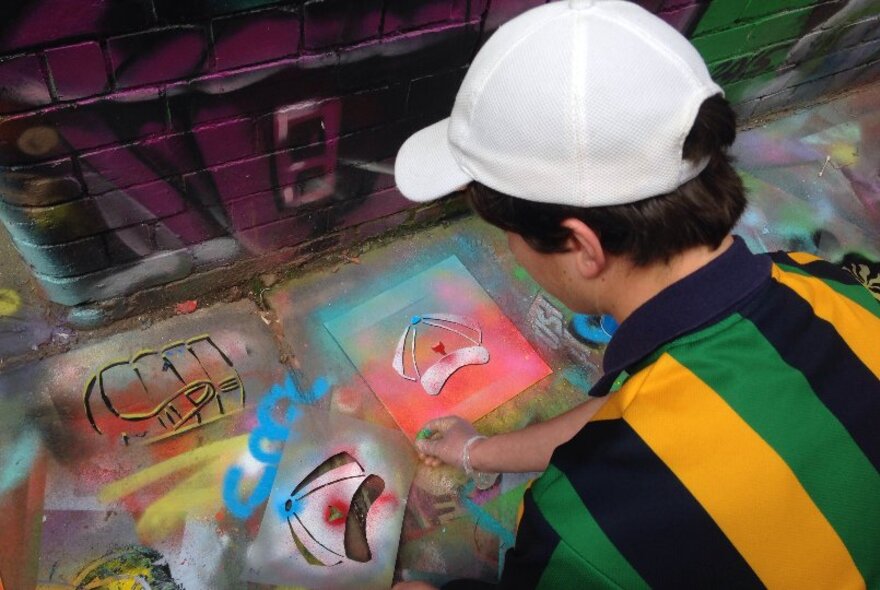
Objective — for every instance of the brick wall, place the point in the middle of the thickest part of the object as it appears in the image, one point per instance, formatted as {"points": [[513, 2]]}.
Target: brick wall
{"points": [[143, 141]]}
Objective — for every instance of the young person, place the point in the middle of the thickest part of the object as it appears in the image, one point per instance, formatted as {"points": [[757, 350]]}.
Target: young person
{"points": [[733, 440]]}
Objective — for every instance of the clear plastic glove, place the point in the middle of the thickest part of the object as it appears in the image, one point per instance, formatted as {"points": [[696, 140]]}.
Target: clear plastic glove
{"points": [[442, 440]]}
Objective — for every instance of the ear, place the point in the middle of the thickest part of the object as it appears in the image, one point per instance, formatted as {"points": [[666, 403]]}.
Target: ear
{"points": [[590, 259]]}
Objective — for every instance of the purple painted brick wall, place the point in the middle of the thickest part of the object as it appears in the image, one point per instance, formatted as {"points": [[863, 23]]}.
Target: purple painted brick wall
{"points": [[132, 128], [22, 84], [402, 15], [78, 70], [256, 37], [158, 56], [341, 22], [225, 141], [37, 23]]}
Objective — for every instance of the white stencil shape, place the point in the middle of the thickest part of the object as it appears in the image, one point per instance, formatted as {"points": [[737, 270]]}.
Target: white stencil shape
{"points": [[435, 377]]}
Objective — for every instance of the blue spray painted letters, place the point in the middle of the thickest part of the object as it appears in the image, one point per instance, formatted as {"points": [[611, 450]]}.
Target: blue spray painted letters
{"points": [[265, 443]]}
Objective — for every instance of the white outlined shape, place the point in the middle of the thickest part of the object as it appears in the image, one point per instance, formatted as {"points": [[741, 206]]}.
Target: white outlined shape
{"points": [[435, 377], [307, 522]]}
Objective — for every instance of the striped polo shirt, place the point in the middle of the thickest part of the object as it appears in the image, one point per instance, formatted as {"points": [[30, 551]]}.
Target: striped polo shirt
{"points": [[739, 447]]}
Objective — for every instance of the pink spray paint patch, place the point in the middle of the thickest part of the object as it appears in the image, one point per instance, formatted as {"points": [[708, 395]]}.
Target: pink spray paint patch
{"points": [[435, 345]]}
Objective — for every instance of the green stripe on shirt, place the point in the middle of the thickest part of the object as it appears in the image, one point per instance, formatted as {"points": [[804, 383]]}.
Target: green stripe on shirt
{"points": [[767, 393], [580, 531]]}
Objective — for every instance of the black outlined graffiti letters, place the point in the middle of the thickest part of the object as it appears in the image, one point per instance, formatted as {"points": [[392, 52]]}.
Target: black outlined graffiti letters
{"points": [[159, 393]]}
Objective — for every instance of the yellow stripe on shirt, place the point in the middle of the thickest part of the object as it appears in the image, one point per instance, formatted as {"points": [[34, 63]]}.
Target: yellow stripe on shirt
{"points": [[803, 257], [618, 401], [786, 541], [857, 326]]}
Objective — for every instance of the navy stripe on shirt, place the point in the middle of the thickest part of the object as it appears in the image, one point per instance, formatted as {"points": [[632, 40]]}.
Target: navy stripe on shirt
{"points": [[813, 346], [633, 495]]}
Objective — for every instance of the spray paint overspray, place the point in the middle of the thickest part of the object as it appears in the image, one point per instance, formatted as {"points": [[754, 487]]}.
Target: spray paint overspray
{"points": [[441, 538], [436, 345], [334, 516], [812, 180], [161, 489]]}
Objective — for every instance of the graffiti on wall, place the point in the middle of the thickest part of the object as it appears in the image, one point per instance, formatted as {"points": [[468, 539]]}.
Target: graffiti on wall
{"points": [[244, 128], [186, 158]]}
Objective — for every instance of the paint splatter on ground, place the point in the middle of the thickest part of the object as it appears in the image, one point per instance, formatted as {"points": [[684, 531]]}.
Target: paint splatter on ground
{"points": [[152, 457], [813, 181], [24, 321]]}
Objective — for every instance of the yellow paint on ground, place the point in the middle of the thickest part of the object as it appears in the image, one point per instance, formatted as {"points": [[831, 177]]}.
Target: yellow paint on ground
{"points": [[200, 496], [10, 302], [196, 458]]}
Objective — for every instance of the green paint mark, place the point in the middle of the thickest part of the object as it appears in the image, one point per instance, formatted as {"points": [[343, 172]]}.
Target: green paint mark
{"points": [[751, 65], [759, 8], [505, 506], [723, 44], [424, 434], [743, 89], [721, 13], [333, 514], [752, 36], [520, 274]]}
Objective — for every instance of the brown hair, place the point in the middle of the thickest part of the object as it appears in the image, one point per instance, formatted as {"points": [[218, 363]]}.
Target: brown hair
{"points": [[700, 212]]}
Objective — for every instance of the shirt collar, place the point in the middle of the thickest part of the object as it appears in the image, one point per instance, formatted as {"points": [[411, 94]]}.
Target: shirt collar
{"points": [[706, 295]]}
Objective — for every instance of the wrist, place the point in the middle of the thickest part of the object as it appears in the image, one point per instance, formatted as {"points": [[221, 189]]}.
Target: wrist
{"points": [[481, 478], [467, 453], [477, 457]]}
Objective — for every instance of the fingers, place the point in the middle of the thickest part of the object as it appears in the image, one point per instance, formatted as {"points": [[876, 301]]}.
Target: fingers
{"points": [[426, 447], [430, 461], [441, 424], [439, 440]]}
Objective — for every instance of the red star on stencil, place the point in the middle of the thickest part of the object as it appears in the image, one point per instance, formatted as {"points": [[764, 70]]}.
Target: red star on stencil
{"points": [[439, 348]]}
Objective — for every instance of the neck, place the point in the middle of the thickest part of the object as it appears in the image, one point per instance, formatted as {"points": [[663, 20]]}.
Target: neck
{"points": [[634, 285]]}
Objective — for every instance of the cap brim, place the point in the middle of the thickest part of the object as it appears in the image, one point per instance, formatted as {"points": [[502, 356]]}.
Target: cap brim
{"points": [[425, 168]]}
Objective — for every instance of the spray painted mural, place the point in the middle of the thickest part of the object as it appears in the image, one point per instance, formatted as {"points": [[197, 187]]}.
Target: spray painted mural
{"points": [[447, 307], [146, 141], [187, 455], [120, 449]]}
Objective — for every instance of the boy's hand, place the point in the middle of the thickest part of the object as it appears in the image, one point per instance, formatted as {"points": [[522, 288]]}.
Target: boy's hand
{"points": [[442, 440]]}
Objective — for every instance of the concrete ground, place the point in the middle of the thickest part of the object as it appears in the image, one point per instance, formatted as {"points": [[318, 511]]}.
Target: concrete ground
{"points": [[256, 443]]}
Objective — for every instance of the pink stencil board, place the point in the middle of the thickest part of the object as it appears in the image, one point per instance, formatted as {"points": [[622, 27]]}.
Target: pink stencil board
{"points": [[436, 345]]}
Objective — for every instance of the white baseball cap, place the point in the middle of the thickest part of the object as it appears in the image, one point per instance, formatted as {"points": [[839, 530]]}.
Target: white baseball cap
{"points": [[578, 102]]}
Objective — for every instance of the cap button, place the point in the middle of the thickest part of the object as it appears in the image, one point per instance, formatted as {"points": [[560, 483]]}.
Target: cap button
{"points": [[580, 4]]}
